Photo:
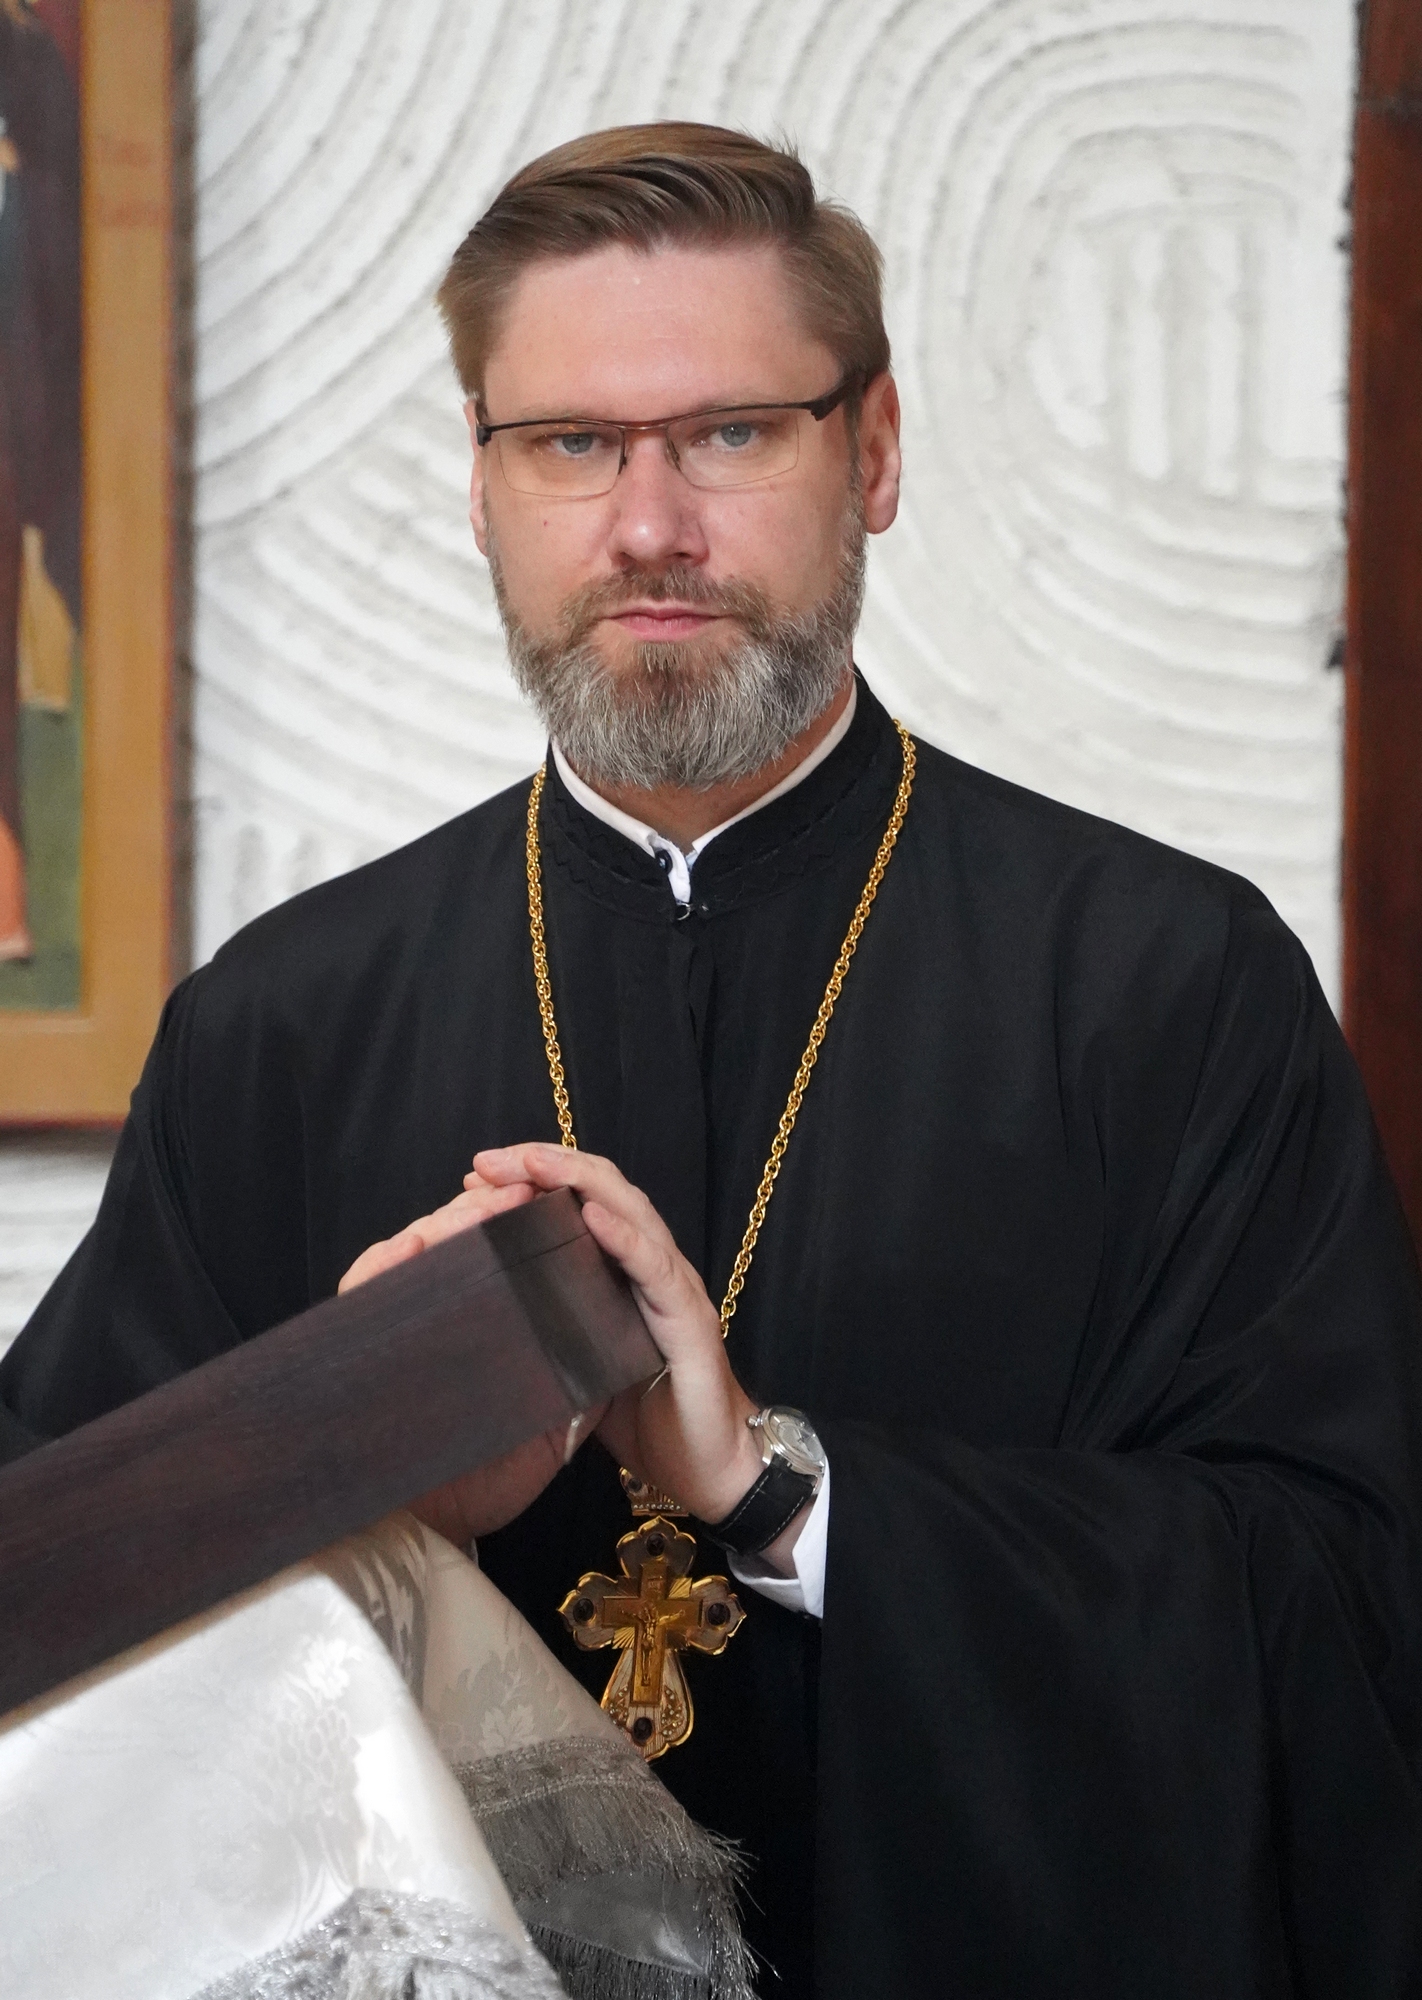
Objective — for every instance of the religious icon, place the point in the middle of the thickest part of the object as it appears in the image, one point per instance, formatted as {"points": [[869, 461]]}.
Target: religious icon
{"points": [[40, 613], [87, 551], [652, 1612]]}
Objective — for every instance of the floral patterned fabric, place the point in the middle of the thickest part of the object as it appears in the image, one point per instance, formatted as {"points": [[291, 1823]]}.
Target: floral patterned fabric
{"points": [[282, 1797], [210, 1796]]}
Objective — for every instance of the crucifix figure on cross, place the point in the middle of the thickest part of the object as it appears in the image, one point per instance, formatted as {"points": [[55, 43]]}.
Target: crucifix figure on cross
{"points": [[651, 1613]]}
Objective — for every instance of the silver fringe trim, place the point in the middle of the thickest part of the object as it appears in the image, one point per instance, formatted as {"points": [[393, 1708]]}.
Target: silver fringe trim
{"points": [[384, 1946], [594, 1972], [585, 1806]]}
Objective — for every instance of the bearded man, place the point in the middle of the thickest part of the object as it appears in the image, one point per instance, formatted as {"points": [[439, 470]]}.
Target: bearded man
{"points": [[1082, 1647]]}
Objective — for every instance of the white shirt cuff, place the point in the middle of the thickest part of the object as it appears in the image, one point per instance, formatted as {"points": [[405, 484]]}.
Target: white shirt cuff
{"points": [[805, 1590]]}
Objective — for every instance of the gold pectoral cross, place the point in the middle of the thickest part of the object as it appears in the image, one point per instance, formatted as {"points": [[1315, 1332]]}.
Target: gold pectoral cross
{"points": [[651, 1613]]}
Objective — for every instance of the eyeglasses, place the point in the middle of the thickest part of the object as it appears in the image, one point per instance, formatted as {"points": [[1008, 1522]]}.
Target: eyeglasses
{"points": [[577, 458]]}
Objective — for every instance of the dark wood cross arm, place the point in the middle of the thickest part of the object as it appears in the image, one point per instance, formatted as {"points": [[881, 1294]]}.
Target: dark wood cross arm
{"points": [[225, 1476]]}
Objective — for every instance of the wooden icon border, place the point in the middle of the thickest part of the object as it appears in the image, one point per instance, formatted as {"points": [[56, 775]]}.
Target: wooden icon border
{"points": [[1382, 848]]}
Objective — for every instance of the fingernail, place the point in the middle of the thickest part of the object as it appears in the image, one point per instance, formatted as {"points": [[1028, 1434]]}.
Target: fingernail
{"points": [[570, 1443]]}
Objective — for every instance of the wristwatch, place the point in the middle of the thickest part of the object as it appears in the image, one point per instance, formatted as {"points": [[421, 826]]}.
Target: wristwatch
{"points": [[794, 1467]]}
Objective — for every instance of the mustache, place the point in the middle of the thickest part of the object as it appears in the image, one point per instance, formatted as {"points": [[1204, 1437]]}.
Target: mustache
{"points": [[729, 598]]}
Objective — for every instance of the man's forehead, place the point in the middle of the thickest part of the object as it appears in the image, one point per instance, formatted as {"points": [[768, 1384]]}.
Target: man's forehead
{"points": [[627, 333]]}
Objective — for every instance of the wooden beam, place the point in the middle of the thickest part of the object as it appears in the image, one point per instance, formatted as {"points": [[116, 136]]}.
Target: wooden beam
{"points": [[226, 1475], [1382, 859]]}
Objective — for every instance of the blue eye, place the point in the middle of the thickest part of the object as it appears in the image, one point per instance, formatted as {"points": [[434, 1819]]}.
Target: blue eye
{"points": [[735, 436], [575, 444]]}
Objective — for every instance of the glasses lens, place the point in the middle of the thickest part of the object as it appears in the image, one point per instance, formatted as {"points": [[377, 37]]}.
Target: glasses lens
{"points": [[737, 447], [560, 459]]}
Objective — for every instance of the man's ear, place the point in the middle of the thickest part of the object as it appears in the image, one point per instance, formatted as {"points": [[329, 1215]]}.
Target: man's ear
{"points": [[880, 461], [477, 519]]}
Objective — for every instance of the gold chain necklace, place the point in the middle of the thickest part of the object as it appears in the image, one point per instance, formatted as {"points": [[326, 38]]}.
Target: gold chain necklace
{"points": [[653, 1610], [771, 1173]]}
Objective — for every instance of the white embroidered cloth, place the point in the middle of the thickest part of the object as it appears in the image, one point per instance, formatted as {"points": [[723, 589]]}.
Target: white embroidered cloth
{"points": [[280, 1773]]}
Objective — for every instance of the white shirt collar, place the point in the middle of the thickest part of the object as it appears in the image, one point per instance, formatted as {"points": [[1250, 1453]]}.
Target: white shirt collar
{"points": [[678, 865]]}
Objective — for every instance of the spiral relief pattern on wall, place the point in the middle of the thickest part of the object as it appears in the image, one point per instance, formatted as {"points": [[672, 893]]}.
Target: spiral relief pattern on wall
{"points": [[1120, 330], [1116, 294]]}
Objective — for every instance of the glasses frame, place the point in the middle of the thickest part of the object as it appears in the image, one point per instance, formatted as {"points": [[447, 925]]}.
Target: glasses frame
{"points": [[819, 408]]}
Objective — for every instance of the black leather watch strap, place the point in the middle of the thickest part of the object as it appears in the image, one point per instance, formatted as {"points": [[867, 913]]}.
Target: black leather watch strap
{"points": [[762, 1513]]}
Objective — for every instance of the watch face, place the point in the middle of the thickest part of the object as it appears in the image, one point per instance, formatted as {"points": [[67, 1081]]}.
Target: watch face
{"points": [[792, 1433]]}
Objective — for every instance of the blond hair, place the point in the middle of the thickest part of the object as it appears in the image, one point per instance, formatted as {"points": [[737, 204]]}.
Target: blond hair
{"points": [[649, 186]]}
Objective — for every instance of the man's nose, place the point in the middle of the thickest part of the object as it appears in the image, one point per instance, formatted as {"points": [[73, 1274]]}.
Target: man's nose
{"points": [[656, 513]]}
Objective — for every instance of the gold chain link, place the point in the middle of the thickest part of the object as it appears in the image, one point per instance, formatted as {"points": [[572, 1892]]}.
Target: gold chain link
{"points": [[798, 1088], [540, 969]]}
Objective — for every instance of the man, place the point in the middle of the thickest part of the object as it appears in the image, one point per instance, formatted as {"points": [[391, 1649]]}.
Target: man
{"points": [[1098, 1666]]}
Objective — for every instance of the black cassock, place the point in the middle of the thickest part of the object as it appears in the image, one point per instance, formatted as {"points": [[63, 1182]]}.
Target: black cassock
{"points": [[1083, 1261]]}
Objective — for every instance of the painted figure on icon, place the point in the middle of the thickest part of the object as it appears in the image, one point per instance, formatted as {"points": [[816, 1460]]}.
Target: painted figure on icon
{"points": [[39, 474]]}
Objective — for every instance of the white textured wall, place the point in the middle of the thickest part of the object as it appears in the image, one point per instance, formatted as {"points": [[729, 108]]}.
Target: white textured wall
{"points": [[49, 1189], [1116, 300]]}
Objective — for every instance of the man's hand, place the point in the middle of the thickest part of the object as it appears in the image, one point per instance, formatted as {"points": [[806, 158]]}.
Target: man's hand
{"points": [[477, 1502], [474, 1205], [688, 1434]]}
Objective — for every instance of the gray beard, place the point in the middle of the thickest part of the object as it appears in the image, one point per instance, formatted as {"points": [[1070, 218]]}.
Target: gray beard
{"points": [[676, 716]]}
